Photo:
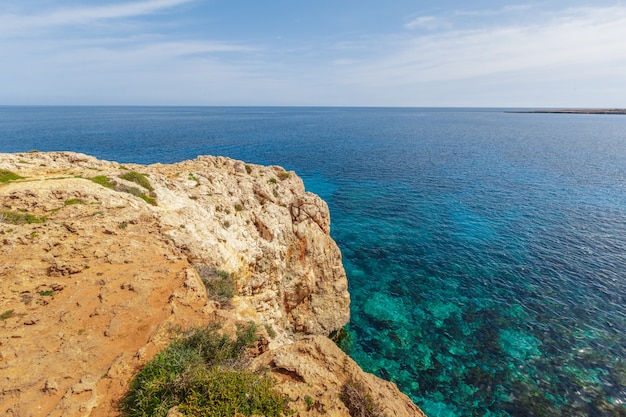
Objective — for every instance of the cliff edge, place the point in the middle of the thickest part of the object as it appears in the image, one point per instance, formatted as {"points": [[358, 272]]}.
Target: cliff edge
{"points": [[100, 261]]}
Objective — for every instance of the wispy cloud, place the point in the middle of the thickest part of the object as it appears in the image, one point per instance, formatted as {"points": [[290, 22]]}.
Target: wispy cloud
{"points": [[120, 53], [22, 23], [584, 36], [426, 22], [494, 12]]}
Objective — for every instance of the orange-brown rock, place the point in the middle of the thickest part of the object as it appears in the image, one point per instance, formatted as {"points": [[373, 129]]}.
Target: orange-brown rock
{"points": [[90, 295]]}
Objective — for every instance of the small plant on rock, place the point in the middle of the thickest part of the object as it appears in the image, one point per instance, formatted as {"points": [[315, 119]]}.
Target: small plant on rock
{"points": [[138, 178], [137, 193], [7, 314], [220, 285], [359, 402], [11, 217], [309, 402], [73, 201], [103, 180]]}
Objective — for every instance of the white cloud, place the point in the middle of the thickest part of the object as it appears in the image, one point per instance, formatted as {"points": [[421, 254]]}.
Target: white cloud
{"points": [[575, 52], [577, 37], [426, 22], [495, 12], [16, 23]]}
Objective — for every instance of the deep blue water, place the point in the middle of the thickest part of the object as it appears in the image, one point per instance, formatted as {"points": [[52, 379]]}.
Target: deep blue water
{"points": [[485, 250]]}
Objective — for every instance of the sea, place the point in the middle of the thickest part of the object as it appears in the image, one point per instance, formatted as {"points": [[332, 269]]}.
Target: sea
{"points": [[485, 249]]}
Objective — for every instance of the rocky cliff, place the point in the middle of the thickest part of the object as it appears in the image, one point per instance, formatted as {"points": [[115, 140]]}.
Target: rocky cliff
{"points": [[99, 261]]}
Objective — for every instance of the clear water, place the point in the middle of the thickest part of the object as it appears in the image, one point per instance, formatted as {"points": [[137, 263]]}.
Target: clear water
{"points": [[485, 251]]}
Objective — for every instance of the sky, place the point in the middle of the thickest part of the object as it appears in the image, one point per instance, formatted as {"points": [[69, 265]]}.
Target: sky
{"points": [[544, 53]]}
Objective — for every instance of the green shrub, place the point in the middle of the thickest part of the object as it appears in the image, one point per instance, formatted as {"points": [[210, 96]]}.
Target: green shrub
{"points": [[248, 169], [220, 285], [11, 217], [138, 178], [283, 175], [103, 180], [358, 401], [8, 176], [271, 181], [137, 193], [238, 207], [133, 176], [201, 374]]}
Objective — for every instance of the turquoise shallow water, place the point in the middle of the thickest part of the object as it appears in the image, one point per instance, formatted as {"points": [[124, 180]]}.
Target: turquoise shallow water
{"points": [[485, 251]]}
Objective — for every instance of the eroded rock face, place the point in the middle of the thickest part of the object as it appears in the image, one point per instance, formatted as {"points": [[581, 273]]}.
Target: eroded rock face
{"points": [[316, 368], [90, 294]]}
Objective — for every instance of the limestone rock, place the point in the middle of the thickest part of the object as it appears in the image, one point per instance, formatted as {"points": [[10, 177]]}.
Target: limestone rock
{"points": [[316, 368], [91, 293]]}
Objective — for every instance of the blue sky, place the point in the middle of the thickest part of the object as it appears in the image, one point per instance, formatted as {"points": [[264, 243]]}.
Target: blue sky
{"points": [[548, 53]]}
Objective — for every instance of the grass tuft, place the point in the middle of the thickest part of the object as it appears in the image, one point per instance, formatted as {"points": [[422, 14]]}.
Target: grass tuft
{"points": [[270, 331], [220, 285], [138, 178], [103, 180], [359, 402], [8, 176], [137, 193], [73, 201], [7, 314], [11, 217], [202, 374]]}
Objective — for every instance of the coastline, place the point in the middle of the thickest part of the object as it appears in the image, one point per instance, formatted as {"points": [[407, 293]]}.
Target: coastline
{"points": [[102, 260], [574, 111]]}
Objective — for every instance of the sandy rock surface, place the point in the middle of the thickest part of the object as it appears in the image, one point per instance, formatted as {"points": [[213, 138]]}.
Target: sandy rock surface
{"points": [[92, 293]]}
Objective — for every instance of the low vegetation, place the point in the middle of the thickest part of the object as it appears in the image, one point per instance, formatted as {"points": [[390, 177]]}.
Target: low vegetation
{"points": [[103, 180], [202, 373], [358, 401], [7, 314], [141, 180], [132, 176], [343, 339], [137, 193], [220, 285], [73, 201], [138, 178], [8, 176], [12, 217]]}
